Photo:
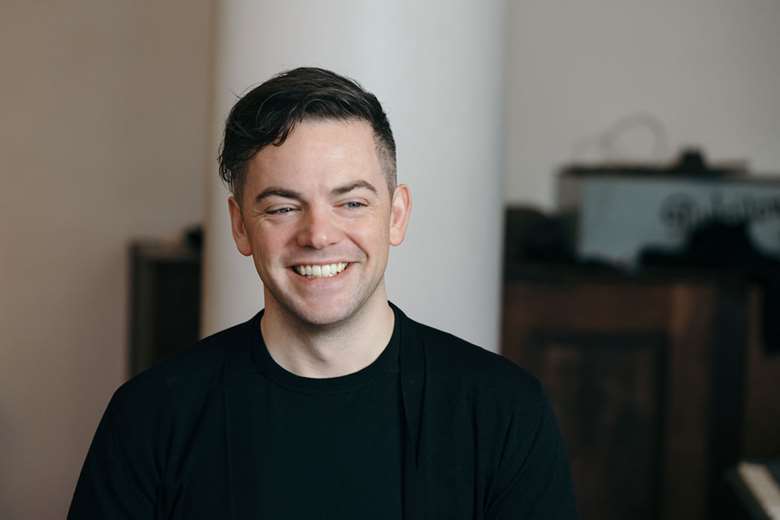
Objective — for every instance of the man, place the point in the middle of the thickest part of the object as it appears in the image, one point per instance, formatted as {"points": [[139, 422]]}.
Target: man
{"points": [[330, 403]]}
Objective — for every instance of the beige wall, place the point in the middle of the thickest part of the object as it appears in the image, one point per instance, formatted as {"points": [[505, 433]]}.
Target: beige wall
{"points": [[103, 137]]}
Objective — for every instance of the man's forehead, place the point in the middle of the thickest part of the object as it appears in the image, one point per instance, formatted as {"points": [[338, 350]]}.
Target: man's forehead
{"points": [[319, 152]]}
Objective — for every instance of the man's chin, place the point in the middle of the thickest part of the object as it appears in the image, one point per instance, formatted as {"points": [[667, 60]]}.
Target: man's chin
{"points": [[321, 316], [322, 312]]}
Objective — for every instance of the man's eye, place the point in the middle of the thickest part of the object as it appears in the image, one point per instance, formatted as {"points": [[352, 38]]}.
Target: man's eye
{"points": [[280, 211], [353, 204]]}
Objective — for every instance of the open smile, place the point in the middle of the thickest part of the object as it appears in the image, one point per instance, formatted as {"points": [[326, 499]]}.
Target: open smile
{"points": [[313, 271]]}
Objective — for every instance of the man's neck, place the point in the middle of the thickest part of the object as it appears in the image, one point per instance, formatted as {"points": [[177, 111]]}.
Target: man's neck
{"points": [[328, 351]]}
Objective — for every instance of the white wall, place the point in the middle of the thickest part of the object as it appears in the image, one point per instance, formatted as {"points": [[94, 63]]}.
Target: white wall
{"points": [[437, 68], [103, 136], [709, 70]]}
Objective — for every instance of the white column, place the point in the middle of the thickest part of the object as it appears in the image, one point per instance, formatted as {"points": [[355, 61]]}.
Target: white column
{"points": [[437, 68]]}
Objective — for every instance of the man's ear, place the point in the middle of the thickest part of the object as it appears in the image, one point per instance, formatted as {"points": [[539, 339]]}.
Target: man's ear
{"points": [[237, 227], [400, 209]]}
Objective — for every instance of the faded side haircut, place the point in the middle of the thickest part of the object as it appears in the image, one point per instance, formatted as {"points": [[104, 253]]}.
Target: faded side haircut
{"points": [[268, 113]]}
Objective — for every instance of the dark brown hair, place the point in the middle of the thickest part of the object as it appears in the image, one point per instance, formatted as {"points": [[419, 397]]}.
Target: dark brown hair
{"points": [[268, 113]]}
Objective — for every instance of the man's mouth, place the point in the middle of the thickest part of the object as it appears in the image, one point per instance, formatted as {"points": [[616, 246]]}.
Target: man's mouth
{"points": [[320, 270]]}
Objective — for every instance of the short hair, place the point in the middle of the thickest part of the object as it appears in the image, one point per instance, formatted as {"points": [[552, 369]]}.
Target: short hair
{"points": [[268, 113]]}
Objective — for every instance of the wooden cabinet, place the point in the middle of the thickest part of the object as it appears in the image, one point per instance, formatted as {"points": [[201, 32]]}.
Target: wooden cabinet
{"points": [[647, 376], [164, 302]]}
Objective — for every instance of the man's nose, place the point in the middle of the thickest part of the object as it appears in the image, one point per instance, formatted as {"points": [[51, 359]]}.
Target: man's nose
{"points": [[318, 229]]}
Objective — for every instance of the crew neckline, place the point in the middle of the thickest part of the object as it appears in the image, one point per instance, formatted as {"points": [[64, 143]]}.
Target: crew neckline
{"points": [[386, 363]]}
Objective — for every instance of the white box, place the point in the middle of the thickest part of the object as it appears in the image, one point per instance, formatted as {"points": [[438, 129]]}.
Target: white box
{"points": [[617, 215]]}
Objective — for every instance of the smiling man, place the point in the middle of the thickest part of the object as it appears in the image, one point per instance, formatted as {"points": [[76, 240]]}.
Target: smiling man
{"points": [[317, 214], [330, 402]]}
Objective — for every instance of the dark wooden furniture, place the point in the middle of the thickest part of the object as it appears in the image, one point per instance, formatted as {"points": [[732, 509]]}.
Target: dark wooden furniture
{"points": [[164, 301], [648, 378]]}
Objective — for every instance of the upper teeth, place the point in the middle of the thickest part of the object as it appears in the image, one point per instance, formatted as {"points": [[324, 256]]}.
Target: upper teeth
{"points": [[319, 271]]}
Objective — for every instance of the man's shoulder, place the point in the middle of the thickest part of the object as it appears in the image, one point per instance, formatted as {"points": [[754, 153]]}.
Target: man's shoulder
{"points": [[451, 358], [193, 370]]}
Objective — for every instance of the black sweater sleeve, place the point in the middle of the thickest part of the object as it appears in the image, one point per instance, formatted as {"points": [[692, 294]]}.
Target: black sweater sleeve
{"points": [[120, 477]]}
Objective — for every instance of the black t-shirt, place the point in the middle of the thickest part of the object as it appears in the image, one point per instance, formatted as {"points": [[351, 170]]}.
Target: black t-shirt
{"points": [[334, 444], [192, 438]]}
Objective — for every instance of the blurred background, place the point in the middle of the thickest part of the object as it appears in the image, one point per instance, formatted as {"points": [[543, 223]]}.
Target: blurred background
{"points": [[595, 190]]}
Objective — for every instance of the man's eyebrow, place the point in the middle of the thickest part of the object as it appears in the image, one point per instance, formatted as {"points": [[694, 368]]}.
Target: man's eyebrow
{"points": [[341, 190], [278, 192]]}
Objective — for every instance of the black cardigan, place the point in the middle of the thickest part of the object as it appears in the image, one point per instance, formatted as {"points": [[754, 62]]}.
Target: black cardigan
{"points": [[184, 440]]}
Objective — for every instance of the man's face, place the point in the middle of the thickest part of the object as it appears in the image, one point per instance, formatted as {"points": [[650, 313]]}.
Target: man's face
{"points": [[318, 220]]}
